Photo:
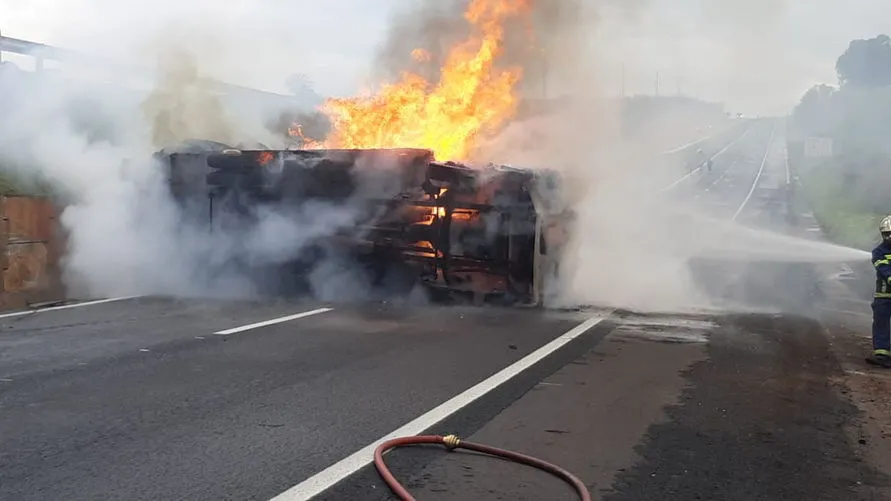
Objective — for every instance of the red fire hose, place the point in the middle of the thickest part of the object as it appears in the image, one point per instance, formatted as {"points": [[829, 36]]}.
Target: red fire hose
{"points": [[452, 442]]}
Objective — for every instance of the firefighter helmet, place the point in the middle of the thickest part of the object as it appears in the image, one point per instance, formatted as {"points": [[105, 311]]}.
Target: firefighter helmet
{"points": [[885, 225]]}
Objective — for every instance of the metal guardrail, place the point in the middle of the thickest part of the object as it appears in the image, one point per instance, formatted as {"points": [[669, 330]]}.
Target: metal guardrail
{"points": [[43, 52]]}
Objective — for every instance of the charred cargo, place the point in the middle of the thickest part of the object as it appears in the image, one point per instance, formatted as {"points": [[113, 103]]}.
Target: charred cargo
{"points": [[397, 216]]}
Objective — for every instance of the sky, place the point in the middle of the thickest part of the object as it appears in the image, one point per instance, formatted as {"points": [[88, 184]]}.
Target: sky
{"points": [[253, 42], [757, 56]]}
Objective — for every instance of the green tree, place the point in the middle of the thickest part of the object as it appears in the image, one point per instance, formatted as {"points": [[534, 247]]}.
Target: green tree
{"points": [[866, 63], [814, 113]]}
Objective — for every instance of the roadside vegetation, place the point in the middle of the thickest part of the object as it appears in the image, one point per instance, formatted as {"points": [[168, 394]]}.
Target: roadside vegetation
{"points": [[842, 217], [13, 185], [849, 191]]}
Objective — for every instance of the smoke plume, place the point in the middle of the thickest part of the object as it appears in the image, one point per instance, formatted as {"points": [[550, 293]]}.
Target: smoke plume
{"points": [[94, 145]]}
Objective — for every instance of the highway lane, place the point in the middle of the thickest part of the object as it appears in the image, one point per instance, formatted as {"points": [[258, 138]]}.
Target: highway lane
{"points": [[139, 399], [745, 169], [736, 162], [750, 190], [43, 342]]}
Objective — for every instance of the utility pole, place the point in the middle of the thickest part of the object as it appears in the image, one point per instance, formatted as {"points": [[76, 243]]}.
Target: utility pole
{"points": [[657, 84], [544, 74]]}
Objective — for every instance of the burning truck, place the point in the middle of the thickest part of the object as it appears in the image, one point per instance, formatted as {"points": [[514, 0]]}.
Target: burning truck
{"points": [[490, 234]]}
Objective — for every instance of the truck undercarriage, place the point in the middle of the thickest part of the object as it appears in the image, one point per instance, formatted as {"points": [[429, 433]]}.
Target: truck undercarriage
{"points": [[397, 217]]}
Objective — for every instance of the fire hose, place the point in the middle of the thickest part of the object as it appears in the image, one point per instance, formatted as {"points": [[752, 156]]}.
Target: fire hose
{"points": [[451, 442]]}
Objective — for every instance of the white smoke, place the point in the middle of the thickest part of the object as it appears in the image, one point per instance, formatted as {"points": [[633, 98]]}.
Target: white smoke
{"points": [[633, 241], [94, 145]]}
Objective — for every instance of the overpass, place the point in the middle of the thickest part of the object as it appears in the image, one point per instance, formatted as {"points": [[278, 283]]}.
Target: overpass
{"points": [[43, 52]]}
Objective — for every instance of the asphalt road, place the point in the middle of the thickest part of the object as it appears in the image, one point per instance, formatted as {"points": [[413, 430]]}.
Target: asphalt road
{"points": [[141, 399], [752, 405]]}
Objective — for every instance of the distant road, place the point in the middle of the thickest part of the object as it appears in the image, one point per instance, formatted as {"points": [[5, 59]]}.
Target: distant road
{"points": [[713, 134]]}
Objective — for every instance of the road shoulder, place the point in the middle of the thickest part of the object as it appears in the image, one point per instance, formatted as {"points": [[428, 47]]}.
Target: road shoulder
{"points": [[869, 389]]}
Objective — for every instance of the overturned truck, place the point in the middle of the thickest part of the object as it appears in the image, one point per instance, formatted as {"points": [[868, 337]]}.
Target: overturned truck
{"points": [[395, 218]]}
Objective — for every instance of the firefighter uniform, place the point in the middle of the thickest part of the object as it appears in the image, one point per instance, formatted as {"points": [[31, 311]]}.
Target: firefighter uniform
{"points": [[881, 304]]}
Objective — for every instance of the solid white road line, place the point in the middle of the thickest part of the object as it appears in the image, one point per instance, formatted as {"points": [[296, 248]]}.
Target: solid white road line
{"points": [[66, 306], [273, 321], [326, 478], [757, 176]]}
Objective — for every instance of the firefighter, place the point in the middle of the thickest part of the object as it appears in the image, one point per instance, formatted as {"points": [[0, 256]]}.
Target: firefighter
{"points": [[881, 304]]}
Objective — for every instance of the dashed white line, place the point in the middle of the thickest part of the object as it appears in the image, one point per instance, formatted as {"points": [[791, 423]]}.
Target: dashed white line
{"points": [[757, 176], [697, 141], [718, 180], [273, 321], [66, 306], [699, 167], [692, 143], [322, 481]]}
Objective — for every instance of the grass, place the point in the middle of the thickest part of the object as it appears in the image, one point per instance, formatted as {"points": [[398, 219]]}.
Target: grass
{"points": [[12, 185], [837, 212]]}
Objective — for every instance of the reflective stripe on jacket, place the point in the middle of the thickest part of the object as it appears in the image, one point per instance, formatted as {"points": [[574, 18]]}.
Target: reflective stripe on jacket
{"points": [[881, 260]]}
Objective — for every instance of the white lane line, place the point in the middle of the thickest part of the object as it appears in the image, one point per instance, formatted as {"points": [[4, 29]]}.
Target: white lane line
{"points": [[757, 176], [786, 159], [692, 143], [716, 181], [699, 167], [325, 479], [273, 321], [697, 141], [67, 306]]}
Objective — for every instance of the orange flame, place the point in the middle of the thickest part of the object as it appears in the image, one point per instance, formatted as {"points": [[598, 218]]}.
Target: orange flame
{"points": [[421, 55], [472, 97], [265, 157]]}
